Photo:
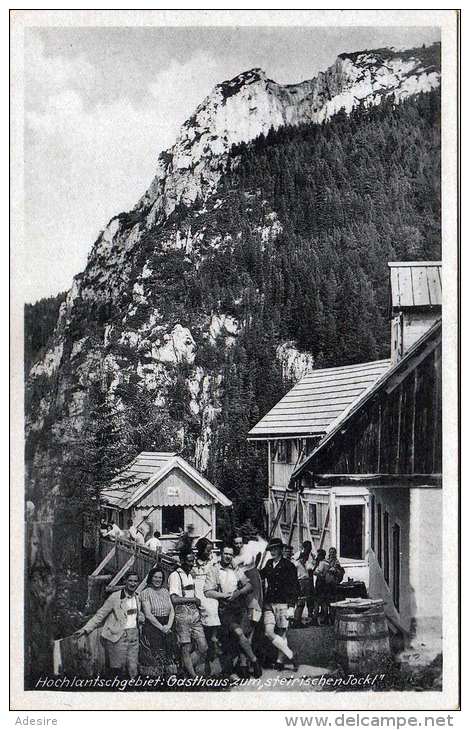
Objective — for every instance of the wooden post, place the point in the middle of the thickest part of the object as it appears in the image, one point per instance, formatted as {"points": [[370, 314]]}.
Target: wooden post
{"points": [[299, 517], [379, 436], [269, 487], [400, 407], [323, 532], [269, 466], [333, 520], [305, 514], [213, 521], [413, 421], [292, 524], [436, 458]]}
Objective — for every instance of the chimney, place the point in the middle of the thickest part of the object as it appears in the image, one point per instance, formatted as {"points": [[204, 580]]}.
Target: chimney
{"points": [[416, 302]]}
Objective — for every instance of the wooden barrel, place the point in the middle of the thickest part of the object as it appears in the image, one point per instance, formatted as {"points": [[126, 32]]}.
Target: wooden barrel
{"points": [[361, 639]]}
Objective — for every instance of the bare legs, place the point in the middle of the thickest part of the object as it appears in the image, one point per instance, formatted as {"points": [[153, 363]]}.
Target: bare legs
{"points": [[280, 642]]}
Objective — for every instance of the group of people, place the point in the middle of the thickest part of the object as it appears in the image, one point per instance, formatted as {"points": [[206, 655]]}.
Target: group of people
{"points": [[135, 534], [318, 577], [211, 609]]}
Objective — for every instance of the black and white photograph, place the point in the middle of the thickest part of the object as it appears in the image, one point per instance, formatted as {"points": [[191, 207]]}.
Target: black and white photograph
{"points": [[234, 257]]}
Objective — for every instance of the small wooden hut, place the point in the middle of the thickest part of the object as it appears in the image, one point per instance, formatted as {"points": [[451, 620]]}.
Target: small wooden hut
{"points": [[161, 491]]}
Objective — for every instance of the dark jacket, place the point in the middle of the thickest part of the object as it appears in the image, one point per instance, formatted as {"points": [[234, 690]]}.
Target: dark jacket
{"points": [[281, 582]]}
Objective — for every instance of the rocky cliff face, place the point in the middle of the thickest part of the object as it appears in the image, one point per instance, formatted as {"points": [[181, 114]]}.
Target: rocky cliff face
{"points": [[150, 337], [250, 104]]}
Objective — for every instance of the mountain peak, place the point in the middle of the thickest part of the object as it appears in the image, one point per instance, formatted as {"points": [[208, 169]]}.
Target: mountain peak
{"points": [[240, 109], [426, 56], [233, 86]]}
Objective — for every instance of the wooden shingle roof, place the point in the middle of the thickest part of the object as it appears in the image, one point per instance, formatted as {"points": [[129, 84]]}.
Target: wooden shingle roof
{"points": [[147, 470], [318, 400], [415, 284]]}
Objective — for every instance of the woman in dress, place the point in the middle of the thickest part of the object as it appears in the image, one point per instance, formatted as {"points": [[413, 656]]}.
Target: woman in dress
{"points": [[158, 649]]}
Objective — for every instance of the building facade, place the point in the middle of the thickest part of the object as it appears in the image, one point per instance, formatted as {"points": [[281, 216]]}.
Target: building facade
{"points": [[292, 430], [390, 444], [358, 448]]}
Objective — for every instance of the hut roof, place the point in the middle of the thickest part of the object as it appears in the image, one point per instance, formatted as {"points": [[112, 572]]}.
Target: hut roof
{"points": [[146, 471], [409, 361], [318, 400], [415, 284]]}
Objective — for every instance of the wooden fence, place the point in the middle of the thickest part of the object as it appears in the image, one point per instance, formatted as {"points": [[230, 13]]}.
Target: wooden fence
{"points": [[116, 559]]}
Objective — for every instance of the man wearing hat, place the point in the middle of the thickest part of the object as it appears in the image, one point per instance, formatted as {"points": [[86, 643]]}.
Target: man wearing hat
{"points": [[281, 591]]}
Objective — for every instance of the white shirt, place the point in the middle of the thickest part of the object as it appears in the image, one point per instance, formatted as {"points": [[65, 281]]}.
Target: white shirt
{"points": [[153, 544], [130, 604], [115, 531], [181, 584], [225, 578], [228, 579], [303, 568]]}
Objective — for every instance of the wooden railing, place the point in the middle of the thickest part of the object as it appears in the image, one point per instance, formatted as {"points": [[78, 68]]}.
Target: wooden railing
{"points": [[117, 557]]}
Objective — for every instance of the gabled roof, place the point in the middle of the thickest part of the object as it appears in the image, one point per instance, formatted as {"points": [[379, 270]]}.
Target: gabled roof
{"points": [[415, 283], [146, 471], [318, 400], [408, 361]]}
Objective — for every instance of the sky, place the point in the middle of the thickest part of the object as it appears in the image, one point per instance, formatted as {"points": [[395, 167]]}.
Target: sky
{"points": [[102, 103]]}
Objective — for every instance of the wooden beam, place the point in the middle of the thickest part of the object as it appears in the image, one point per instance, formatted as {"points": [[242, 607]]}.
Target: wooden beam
{"points": [[269, 466], [142, 584], [413, 421], [276, 524], [300, 531], [379, 435], [122, 572], [292, 524], [437, 421], [378, 480], [400, 406], [306, 517], [204, 519], [104, 562], [411, 365], [213, 521], [146, 517], [325, 525]]}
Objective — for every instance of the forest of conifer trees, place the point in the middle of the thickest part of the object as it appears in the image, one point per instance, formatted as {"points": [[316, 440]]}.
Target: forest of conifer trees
{"points": [[348, 196]]}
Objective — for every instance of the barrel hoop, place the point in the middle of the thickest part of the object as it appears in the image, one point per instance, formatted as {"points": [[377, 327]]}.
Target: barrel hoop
{"points": [[369, 637], [360, 617]]}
